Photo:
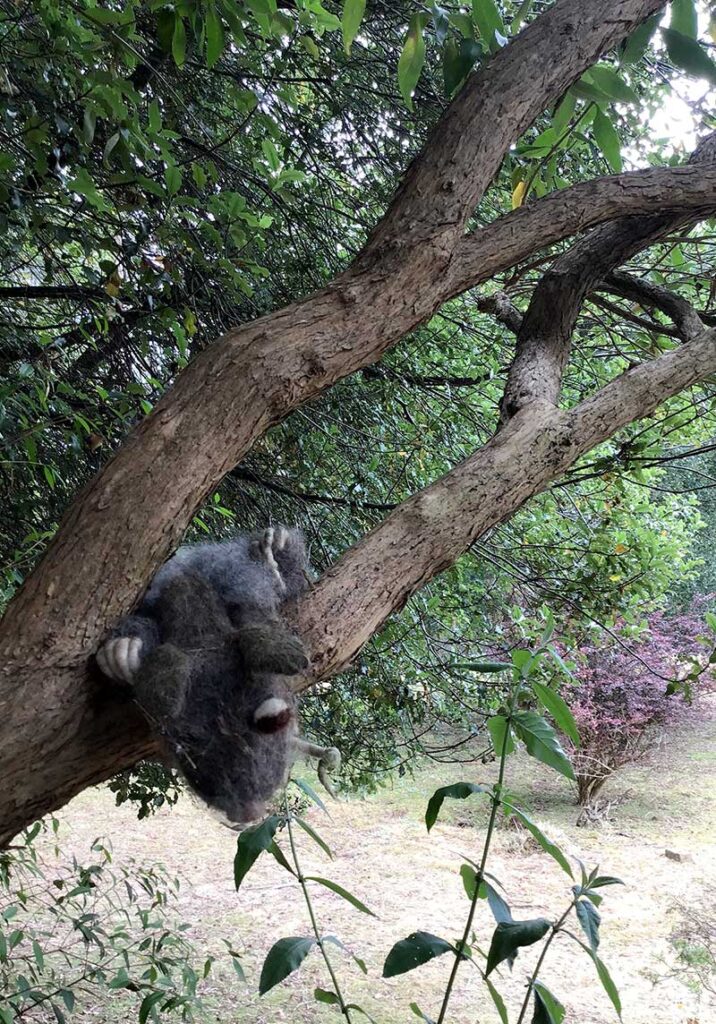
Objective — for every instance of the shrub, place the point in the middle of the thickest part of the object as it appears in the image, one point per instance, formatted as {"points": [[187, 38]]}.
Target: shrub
{"points": [[621, 696], [70, 930]]}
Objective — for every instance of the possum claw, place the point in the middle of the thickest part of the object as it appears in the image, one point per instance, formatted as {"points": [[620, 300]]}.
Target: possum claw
{"points": [[329, 761], [119, 659]]}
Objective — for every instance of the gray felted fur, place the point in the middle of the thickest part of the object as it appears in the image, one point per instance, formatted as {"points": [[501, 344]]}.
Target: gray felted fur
{"points": [[214, 649]]}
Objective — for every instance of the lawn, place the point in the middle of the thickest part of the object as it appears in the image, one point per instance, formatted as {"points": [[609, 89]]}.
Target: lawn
{"points": [[411, 881]]}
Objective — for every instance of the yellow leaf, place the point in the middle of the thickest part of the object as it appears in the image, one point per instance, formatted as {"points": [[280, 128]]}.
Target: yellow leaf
{"points": [[518, 194], [620, 549], [615, 579]]}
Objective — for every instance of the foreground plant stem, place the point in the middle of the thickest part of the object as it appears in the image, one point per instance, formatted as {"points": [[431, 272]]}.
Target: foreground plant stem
{"points": [[314, 924], [497, 792]]}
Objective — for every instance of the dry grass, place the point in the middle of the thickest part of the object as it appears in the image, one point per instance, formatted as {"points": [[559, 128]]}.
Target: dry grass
{"points": [[410, 880]]}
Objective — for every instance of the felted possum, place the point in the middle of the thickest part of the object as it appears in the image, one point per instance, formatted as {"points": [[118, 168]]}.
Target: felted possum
{"points": [[208, 659]]}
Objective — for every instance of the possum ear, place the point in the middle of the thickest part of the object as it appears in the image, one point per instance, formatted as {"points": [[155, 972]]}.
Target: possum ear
{"points": [[273, 714]]}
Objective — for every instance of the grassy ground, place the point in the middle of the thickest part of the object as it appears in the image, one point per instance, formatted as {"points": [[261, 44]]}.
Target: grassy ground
{"points": [[411, 881]]}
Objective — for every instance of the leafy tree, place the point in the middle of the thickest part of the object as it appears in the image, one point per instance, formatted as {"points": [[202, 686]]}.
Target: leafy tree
{"points": [[173, 171]]}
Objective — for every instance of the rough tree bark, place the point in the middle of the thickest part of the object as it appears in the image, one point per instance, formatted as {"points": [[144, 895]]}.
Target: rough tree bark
{"points": [[61, 729]]}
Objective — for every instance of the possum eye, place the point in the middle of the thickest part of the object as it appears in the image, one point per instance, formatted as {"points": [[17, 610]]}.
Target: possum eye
{"points": [[272, 714]]}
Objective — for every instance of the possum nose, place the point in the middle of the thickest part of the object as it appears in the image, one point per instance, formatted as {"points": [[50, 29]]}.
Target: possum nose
{"points": [[246, 814]]}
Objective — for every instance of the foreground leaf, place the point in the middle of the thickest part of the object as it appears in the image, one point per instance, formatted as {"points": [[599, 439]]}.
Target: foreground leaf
{"points": [[605, 978], [458, 791], [688, 55], [411, 60], [548, 1009], [589, 919], [541, 741], [340, 891], [498, 1001], [412, 952], [536, 832], [509, 936], [606, 137], [251, 843], [353, 11], [501, 735], [558, 709], [284, 957]]}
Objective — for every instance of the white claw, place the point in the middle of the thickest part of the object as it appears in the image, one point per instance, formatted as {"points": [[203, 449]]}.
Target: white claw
{"points": [[134, 655], [119, 659], [281, 538]]}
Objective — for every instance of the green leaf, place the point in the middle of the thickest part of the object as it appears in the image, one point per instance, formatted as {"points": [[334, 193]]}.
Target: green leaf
{"points": [[155, 116], [179, 42], [251, 843], [525, 8], [589, 919], [547, 845], [458, 62], [322, 996], [441, 21], [509, 936], [602, 880], [498, 1001], [172, 177], [684, 18], [563, 113], [484, 666], [688, 55], [558, 710], [353, 11], [548, 1009], [606, 78], [501, 735], [605, 978], [458, 791], [417, 949], [310, 793], [148, 1003], [419, 1013], [89, 122], [499, 907], [607, 139], [6, 1014], [411, 60], [487, 18], [638, 42], [284, 957], [278, 855], [315, 836], [215, 40], [343, 893], [541, 741]]}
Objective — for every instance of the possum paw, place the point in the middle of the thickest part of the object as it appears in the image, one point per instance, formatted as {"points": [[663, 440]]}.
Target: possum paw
{"points": [[119, 659]]}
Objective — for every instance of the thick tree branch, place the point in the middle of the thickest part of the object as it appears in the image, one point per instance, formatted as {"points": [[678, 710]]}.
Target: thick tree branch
{"points": [[566, 212], [545, 336], [428, 532], [497, 104]]}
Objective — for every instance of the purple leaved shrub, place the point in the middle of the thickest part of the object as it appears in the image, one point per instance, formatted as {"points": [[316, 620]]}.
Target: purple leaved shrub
{"points": [[620, 700]]}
